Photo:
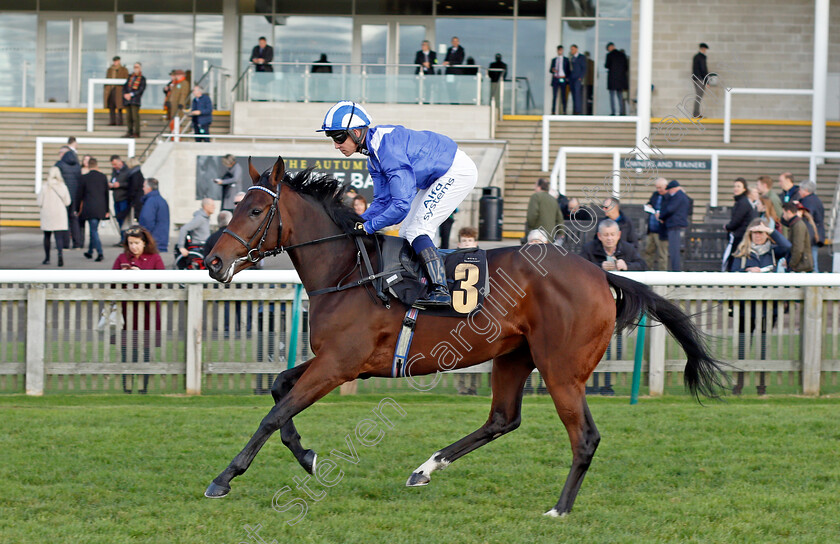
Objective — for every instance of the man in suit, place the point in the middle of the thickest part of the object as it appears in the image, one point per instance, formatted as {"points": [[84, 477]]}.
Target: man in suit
{"points": [[262, 55], [454, 57], [560, 71], [497, 74], [425, 59], [577, 65], [616, 66], [700, 71]]}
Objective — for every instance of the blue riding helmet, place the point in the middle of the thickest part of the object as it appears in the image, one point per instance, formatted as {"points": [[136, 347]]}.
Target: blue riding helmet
{"points": [[345, 115]]}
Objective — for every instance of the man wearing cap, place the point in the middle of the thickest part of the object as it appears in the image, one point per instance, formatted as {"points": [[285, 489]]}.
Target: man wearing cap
{"points": [[674, 216], [177, 94], [113, 94], [700, 72], [419, 178]]}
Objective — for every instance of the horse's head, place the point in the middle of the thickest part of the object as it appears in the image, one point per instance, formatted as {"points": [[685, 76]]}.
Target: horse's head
{"points": [[255, 229]]}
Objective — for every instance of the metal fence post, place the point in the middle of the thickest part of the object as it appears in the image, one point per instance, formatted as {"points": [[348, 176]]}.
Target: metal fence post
{"points": [[656, 366], [36, 325], [195, 313], [812, 332]]}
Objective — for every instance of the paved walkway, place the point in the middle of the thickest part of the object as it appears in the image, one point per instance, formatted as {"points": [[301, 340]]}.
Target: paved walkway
{"points": [[23, 248]]}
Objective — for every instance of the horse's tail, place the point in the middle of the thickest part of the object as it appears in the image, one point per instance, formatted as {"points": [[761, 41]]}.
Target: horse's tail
{"points": [[703, 373]]}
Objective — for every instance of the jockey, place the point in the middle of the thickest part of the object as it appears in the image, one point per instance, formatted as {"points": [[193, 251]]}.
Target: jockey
{"points": [[419, 178]]}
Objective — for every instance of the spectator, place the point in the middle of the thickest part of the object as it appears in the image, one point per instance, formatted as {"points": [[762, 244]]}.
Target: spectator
{"points": [[581, 215], [154, 216], [543, 212], [262, 55], [616, 65], [359, 204], [563, 202], [467, 383], [71, 173], [742, 214], [814, 205], [321, 66], [201, 112], [53, 200], [224, 220], [497, 72], [177, 95], [760, 251], [790, 191], [119, 185], [198, 227], [578, 66], [656, 249], [132, 95], [238, 198], [764, 209], [93, 205], [808, 219], [113, 94], [800, 251], [610, 252], [135, 186], [699, 72], [560, 71], [139, 253], [454, 58], [425, 59], [765, 189], [675, 215], [73, 145], [472, 69], [537, 236], [231, 181], [350, 193], [612, 209], [85, 164]]}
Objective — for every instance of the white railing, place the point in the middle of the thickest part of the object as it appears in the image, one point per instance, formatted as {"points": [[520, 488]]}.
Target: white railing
{"points": [[24, 66], [558, 172], [113, 81], [727, 103], [41, 140], [547, 119], [51, 321]]}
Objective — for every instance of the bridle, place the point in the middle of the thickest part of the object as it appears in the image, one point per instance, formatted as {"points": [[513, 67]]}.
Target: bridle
{"points": [[254, 254]]}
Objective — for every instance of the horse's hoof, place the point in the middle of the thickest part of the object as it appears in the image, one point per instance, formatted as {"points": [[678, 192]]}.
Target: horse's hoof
{"points": [[216, 491], [417, 479], [310, 458]]}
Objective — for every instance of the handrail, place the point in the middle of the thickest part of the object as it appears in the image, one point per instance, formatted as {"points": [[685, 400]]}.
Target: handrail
{"points": [[110, 81], [546, 119], [727, 103], [301, 138], [558, 172]]}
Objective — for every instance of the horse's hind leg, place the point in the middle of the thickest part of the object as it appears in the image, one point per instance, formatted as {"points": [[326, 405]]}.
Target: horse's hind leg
{"points": [[288, 433], [584, 437], [507, 380]]}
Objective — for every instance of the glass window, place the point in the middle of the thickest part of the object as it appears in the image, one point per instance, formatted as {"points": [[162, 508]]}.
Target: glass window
{"points": [[326, 7], [57, 62], [390, 7], [447, 8], [615, 8], [410, 39], [582, 34], [18, 35], [160, 42], [532, 8], [208, 42], [304, 39], [94, 53], [578, 8], [618, 32], [252, 27], [531, 67], [154, 6], [481, 39]]}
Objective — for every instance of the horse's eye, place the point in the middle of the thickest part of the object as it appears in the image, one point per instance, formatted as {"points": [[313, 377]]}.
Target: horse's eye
{"points": [[255, 212]]}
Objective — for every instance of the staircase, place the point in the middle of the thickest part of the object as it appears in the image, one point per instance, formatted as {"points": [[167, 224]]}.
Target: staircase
{"points": [[585, 172], [17, 150]]}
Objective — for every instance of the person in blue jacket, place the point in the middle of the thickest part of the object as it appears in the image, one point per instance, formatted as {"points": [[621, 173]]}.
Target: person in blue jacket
{"points": [[202, 113], [419, 178], [154, 215], [674, 215]]}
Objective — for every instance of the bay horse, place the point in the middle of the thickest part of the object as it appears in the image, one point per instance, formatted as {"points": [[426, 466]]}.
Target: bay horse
{"points": [[560, 321]]}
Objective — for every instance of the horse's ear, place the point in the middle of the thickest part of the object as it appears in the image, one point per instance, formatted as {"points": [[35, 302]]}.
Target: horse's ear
{"points": [[255, 176], [278, 171]]}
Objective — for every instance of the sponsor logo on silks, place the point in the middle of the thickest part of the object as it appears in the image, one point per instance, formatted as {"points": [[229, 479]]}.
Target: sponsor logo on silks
{"points": [[435, 196]]}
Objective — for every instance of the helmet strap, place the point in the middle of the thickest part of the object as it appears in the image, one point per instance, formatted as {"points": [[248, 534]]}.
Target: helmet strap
{"points": [[358, 140]]}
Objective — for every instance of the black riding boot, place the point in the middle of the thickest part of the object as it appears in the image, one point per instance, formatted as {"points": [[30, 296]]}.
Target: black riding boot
{"points": [[438, 294]]}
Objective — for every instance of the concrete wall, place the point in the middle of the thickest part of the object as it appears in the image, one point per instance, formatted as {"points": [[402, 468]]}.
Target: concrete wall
{"points": [[303, 119], [752, 43]]}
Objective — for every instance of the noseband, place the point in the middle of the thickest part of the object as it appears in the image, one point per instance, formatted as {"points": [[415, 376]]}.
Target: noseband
{"points": [[254, 254]]}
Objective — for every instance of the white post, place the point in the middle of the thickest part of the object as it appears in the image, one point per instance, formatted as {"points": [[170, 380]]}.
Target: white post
{"points": [[812, 165], [478, 88], [23, 85], [713, 183], [176, 128], [616, 175], [36, 324], [195, 325], [656, 363], [820, 78], [812, 332], [39, 165], [90, 106], [644, 76], [562, 159], [727, 116], [545, 133]]}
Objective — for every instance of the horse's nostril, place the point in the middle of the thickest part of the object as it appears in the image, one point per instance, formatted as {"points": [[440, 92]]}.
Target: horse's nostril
{"points": [[214, 264]]}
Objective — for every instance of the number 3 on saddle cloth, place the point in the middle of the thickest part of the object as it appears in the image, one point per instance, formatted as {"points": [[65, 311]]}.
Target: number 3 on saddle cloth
{"points": [[466, 275]]}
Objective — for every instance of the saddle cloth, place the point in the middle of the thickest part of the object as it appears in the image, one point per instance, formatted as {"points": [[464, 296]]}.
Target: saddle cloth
{"points": [[466, 274]]}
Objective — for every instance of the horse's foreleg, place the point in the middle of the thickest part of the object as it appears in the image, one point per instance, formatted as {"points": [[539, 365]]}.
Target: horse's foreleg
{"points": [[312, 385], [288, 433], [507, 380]]}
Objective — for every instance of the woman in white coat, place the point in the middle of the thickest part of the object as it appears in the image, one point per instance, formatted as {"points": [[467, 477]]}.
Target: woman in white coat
{"points": [[53, 200]]}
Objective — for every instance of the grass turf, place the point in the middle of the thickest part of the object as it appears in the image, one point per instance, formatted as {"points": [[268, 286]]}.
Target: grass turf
{"points": [[117, 469]]}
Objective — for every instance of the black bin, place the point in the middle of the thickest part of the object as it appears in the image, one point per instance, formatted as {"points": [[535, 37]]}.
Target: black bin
{"points": [[490, 214]]}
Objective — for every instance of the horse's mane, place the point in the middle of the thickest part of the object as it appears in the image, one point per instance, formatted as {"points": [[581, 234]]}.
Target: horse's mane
{"points": [[327, 191]]}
